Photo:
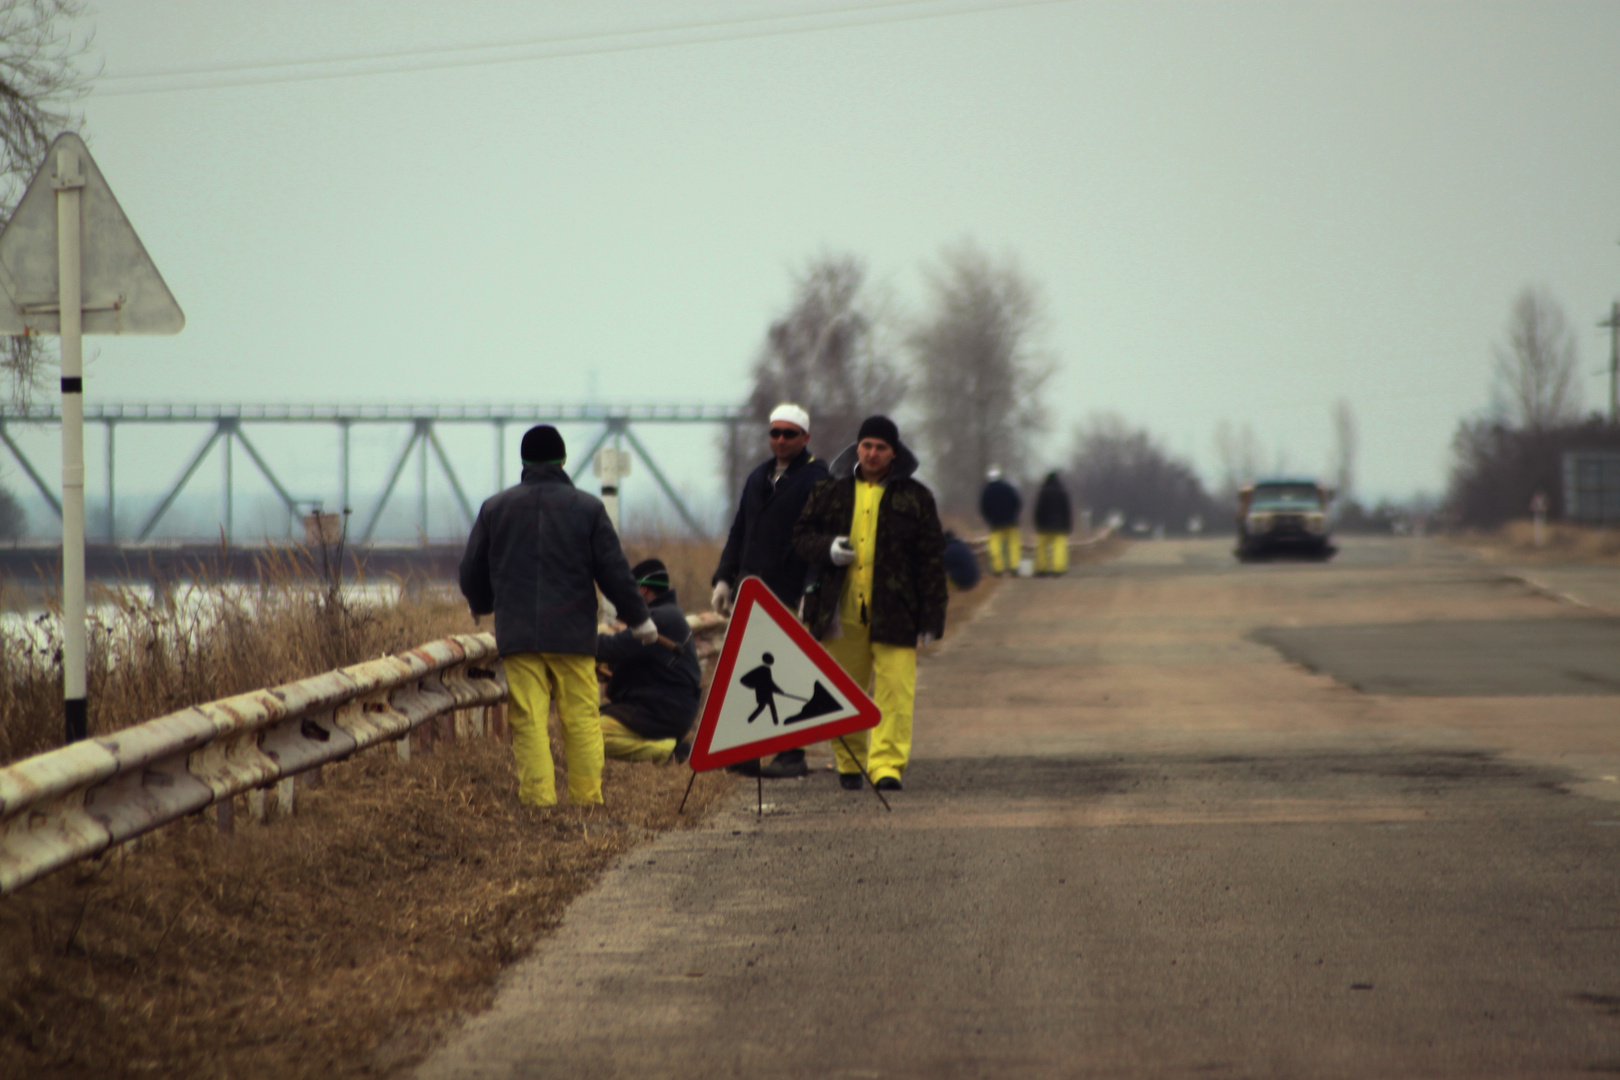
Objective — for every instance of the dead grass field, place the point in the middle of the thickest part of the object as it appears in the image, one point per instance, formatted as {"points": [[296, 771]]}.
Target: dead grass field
{"points": [[1515, 542], [337, 943]]}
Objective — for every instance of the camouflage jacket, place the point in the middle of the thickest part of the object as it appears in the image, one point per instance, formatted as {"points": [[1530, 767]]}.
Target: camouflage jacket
{"points": [[908, 570]]}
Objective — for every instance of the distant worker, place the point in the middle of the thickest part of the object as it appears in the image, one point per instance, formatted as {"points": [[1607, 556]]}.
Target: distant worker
{"points": [[761, 540], [1054, 521], [961, 566], [879, 592], [653, 690], [536, 556], [1000, 505]]}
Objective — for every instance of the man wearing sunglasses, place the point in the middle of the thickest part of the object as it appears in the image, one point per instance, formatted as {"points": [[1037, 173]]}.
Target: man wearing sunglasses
{"points": [[761, 539]]}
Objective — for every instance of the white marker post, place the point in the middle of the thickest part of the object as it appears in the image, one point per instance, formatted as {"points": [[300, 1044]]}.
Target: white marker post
{"points": [[71, 264], [69, 183]]}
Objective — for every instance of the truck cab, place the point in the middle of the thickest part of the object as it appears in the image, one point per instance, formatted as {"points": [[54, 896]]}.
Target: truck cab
{"points": [[1284, 515]]}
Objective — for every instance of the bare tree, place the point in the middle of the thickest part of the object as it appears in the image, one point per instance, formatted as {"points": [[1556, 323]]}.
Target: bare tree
{"points": [[830, 352], [1538, 363], [40, 80], [1344, 448], [1239, 453], [980, 371]]}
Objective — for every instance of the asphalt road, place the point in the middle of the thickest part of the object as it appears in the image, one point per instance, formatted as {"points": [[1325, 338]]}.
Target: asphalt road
{"points": [[1138, 840]]}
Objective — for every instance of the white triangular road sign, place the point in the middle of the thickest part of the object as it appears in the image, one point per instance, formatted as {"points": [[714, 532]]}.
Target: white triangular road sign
{"points": [[774, 688], [121, 291]]}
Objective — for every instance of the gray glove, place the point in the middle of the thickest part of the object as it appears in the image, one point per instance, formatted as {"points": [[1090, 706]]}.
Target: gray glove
{"points": [[924, 638], [646, 633], [842, 554], [721, 600]]}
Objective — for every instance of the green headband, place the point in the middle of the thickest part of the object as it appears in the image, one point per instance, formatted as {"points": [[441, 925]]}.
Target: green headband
{"points": [[537, 464]]}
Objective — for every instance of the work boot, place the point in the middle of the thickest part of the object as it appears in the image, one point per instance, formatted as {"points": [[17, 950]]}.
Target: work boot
{"points": [[851, 781], [789, 763], [682, 751], [888, 783], [745, 768]]}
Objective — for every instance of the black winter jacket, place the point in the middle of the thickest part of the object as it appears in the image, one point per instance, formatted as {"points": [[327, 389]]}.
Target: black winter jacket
{"points": [[908, 569], [999, 504], [1052, 511], [663, 685], [536, 555], [761, 540]]}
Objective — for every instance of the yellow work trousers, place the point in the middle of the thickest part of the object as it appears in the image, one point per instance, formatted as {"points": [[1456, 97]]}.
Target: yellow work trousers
{"points": [[622, 744], [1051, 553], [1006, 548], [886, 749], [533, 680]]}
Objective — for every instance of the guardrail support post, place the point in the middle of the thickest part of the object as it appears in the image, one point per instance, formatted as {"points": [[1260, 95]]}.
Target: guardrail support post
{"points": [[258, 805], [225, 816], [287, 796]]}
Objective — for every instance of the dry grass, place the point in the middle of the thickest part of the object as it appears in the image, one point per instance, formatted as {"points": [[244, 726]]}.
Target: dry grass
{"points": [[1563, 543], [337, 943], [151, 655]]}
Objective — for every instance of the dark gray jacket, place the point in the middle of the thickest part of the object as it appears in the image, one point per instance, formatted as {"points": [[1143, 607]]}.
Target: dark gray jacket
{"points": [[761, 539], [662, 683], [536, 556]]}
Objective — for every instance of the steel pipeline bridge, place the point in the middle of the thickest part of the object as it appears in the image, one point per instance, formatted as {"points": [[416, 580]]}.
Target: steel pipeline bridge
{"points": [[228, 422]]}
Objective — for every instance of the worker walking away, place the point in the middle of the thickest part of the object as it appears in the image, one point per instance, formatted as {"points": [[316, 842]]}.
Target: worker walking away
{"points": [[1000, 505], [653, 689], [872, 536], [1054, 521], [760, 543], [536, 556]]}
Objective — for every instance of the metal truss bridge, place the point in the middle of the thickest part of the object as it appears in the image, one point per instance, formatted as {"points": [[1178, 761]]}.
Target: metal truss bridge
{"points": [[229, 422]]}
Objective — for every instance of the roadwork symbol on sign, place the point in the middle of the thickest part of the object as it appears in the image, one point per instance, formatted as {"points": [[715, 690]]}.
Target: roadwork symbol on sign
{"points": [[774, 688]]}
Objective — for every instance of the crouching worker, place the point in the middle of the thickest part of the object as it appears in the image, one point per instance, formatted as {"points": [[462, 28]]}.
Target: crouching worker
{"points": [[653, 690], [535, 558]]}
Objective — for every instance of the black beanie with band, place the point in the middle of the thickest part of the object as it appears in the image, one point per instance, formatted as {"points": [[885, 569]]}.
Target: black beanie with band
{"points": [[652, 573]]}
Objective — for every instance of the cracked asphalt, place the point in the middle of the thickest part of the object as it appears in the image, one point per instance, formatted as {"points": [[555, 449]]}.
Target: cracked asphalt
{"points": [[1151, 829]]}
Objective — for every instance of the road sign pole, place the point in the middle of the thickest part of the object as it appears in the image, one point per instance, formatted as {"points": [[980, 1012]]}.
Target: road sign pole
{"points": [[69, 183]]}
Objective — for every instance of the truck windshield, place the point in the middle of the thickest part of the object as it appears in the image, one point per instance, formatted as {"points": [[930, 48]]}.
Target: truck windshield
{"points": [[1288, 494]]}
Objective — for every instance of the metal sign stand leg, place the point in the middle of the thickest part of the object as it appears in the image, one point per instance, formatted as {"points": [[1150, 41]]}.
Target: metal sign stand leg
{"points": [[759, 782], [689, 784], [868, 779]]}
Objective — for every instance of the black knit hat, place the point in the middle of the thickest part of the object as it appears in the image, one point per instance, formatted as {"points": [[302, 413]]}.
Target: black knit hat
{"points": [[543, 445], [651, 573], [880, 427]]}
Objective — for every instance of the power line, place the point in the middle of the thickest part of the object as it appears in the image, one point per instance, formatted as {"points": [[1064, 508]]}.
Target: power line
{"points": [[565, 46]]}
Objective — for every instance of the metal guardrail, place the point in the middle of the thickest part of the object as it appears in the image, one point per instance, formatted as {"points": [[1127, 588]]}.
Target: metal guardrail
{"points": [[69, 804], [76, 802]]}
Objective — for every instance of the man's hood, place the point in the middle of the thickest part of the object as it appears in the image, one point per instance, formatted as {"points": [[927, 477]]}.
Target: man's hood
{"points": [[905, 463]]}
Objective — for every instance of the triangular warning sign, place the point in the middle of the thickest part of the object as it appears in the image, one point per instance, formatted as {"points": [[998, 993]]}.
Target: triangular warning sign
{"points": [[120, 290], [774, 688]]}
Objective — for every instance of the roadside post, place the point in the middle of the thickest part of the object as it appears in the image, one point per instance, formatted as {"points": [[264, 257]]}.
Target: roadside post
{"points": [[70, 265], [610, 466], [1538, 517]]}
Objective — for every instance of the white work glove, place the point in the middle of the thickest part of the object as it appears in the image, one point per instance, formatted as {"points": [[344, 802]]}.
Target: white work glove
{"points": [[924, 638], [842, 554], [721, 600], [646, 633]]}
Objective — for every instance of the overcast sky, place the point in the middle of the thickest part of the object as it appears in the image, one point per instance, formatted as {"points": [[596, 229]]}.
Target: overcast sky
{"points": [[1236, 211]]}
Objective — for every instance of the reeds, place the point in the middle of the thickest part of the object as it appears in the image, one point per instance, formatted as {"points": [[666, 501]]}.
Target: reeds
{"points": [[156, 649]]}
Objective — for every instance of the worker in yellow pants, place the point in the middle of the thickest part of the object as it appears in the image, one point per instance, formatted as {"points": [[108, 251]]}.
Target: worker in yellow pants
{"points": [[875, 531], [1054, 521], [534, 680], [1000, 505], [884, 751], [1051, 553]]}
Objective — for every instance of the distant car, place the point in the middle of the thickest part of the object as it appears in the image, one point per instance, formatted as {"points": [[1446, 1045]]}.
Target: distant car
{"points": [[1284, 515]]}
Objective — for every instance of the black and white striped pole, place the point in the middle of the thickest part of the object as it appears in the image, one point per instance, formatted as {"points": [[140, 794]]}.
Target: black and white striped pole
{"points": [[71, 264]]}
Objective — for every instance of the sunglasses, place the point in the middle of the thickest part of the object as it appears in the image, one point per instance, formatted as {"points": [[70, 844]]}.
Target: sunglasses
{"points": [[785, 433]]}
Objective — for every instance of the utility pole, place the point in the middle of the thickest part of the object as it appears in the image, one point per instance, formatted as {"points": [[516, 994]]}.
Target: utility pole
{"points": [[1613, 326]]}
